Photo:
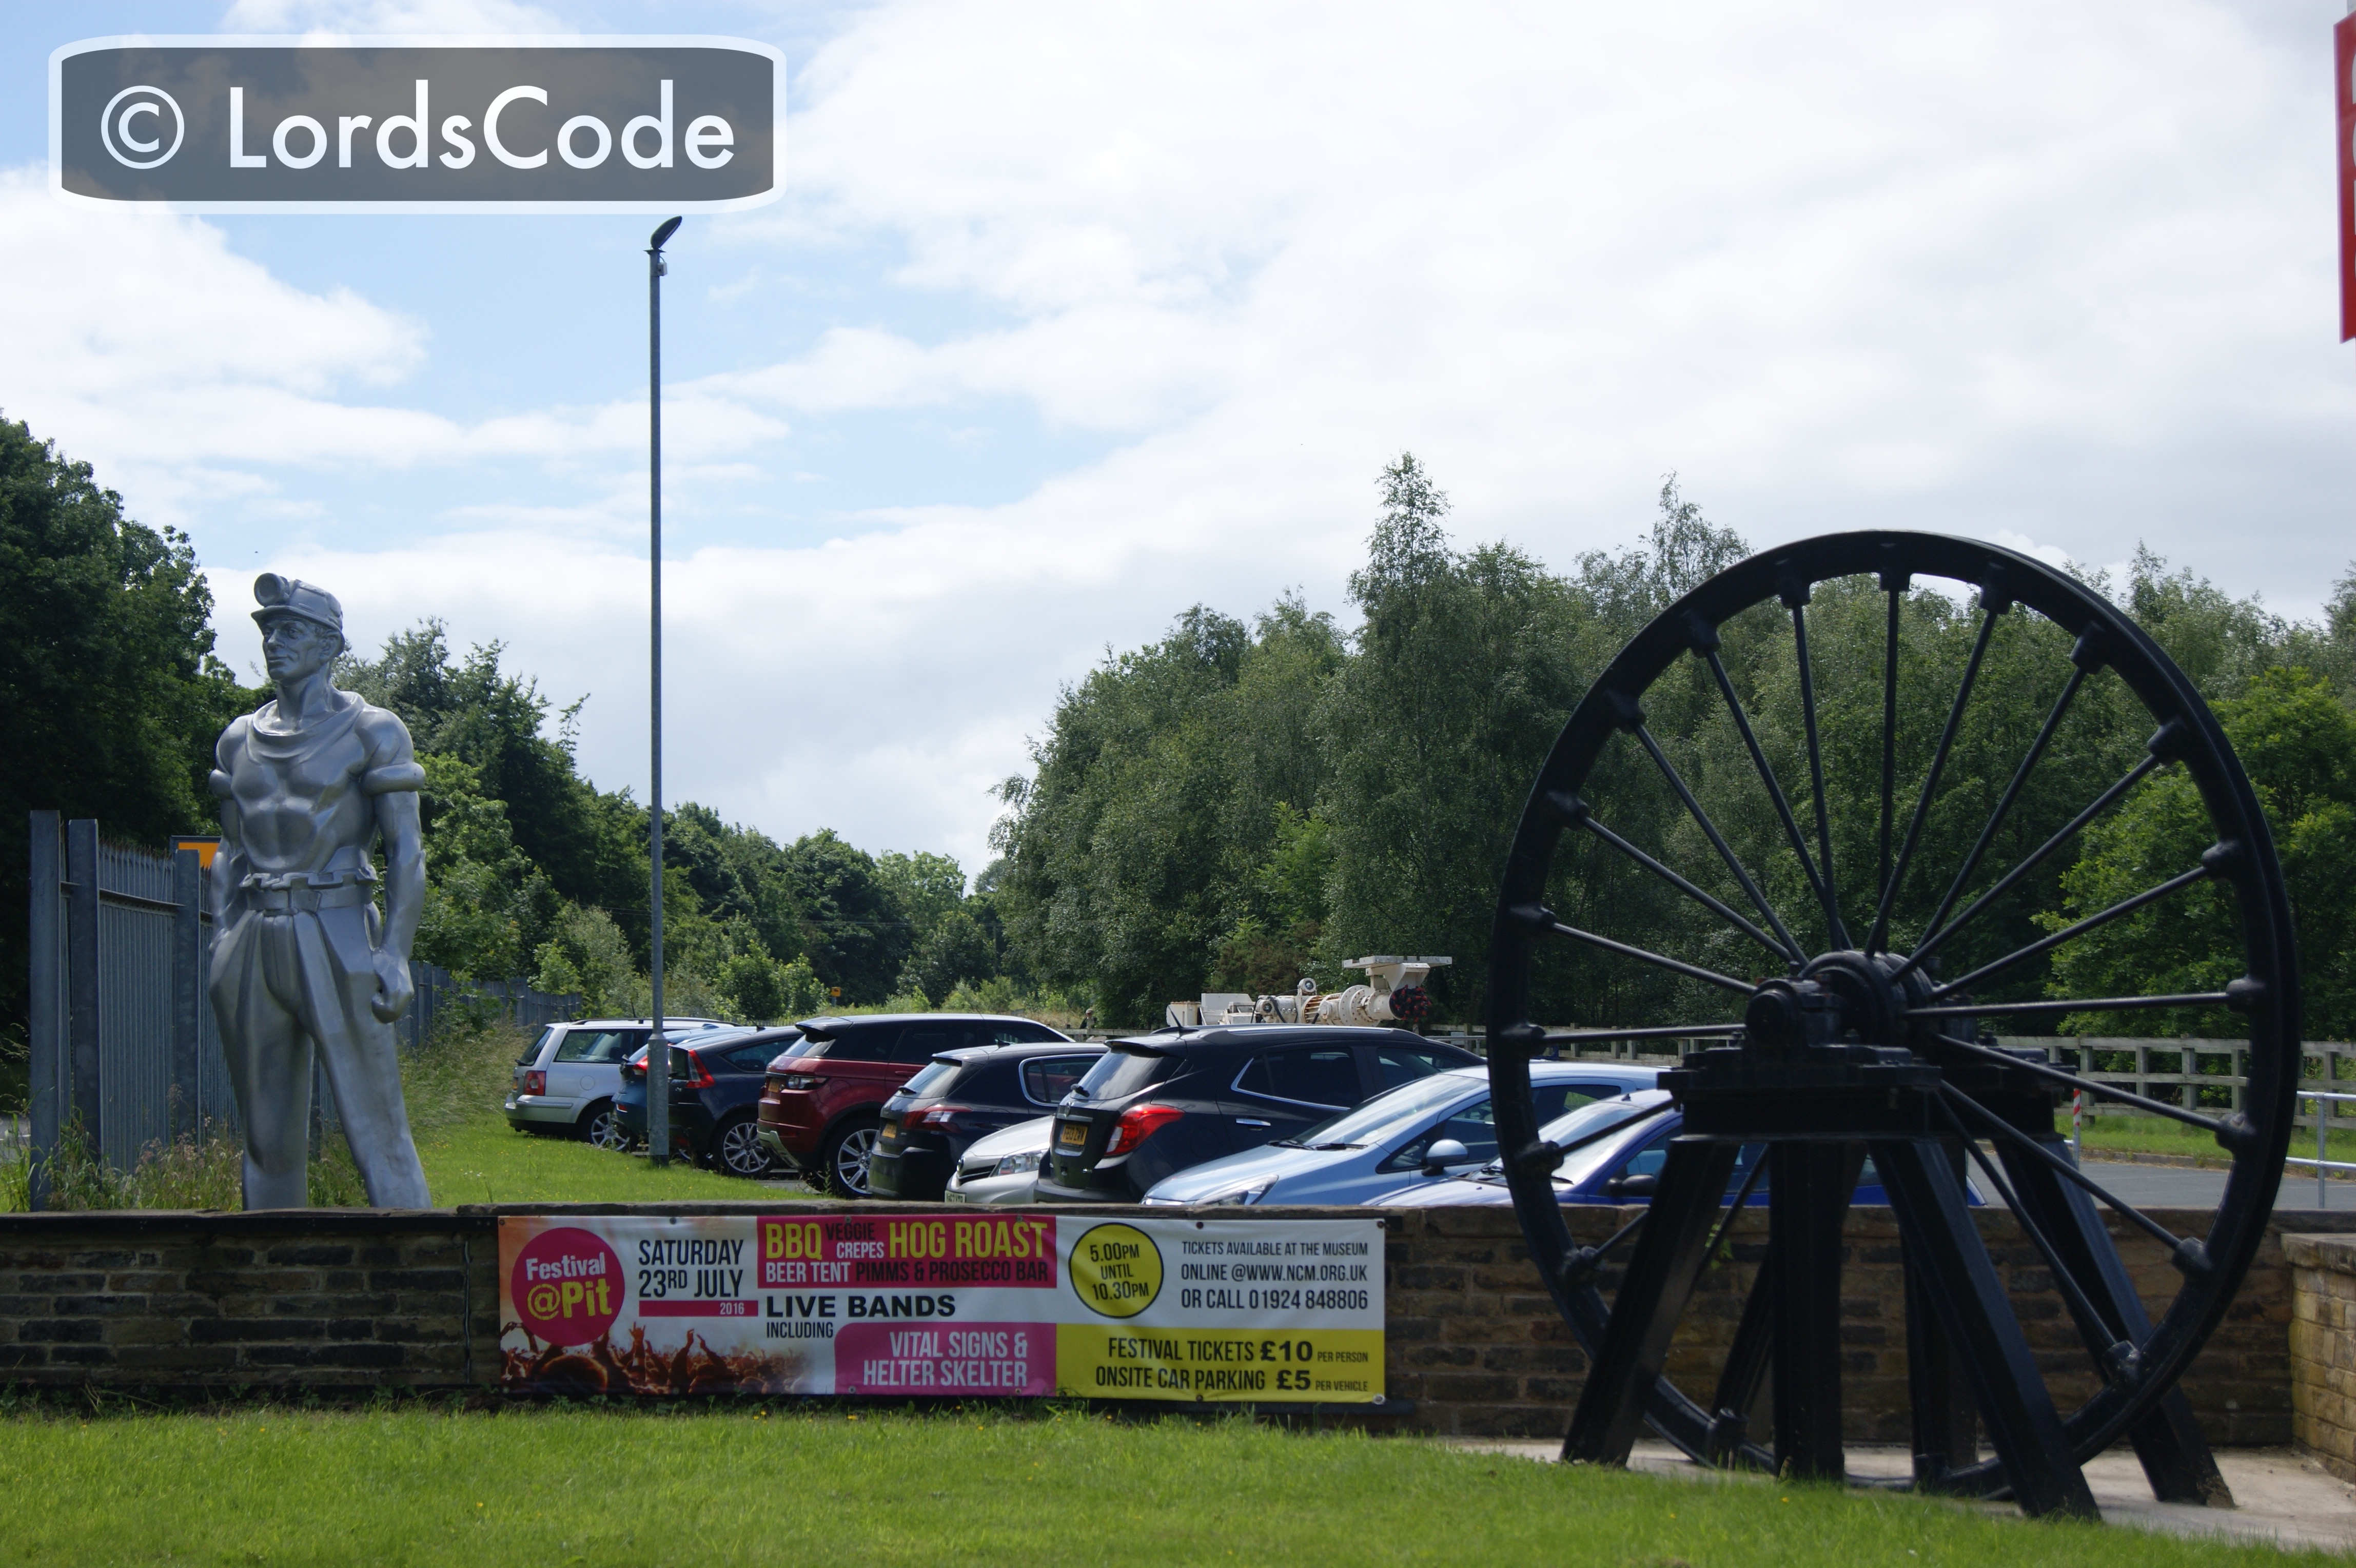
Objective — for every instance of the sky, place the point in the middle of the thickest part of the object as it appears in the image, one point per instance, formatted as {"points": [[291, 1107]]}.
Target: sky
{"points": [[1074, 315]]}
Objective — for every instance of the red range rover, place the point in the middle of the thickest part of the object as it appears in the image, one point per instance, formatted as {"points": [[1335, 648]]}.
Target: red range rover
{"points": [[821, 1105]]}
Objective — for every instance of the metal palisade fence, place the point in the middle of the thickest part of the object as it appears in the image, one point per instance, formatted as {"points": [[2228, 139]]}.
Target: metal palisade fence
{"points": [[122, 1035]]}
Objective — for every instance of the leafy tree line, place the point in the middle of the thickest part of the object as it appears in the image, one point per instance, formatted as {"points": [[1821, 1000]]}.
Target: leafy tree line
{"points": [[115, 695], [1238, 805]]}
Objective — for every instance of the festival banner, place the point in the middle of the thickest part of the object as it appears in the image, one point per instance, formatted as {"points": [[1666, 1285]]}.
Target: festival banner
{"points": [[1002, 1304]]}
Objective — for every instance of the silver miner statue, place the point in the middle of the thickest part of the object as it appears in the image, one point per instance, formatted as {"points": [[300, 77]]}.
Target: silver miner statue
{"points": [[303, 962]]}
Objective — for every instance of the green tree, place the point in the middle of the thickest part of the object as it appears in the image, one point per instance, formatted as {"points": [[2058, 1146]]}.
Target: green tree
{"points": [[2298, 742], [852, 928], [107, 674], [954, 951]]}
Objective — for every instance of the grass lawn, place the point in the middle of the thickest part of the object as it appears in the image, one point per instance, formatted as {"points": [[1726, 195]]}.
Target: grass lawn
{"points": [[2158, 1136], [482, 1160], [577, 1487]]}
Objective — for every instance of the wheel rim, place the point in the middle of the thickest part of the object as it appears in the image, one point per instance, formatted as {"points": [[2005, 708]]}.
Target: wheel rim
{"points": [[740, 1151], [852, 1156], [605, 1129], [1777, 877]]}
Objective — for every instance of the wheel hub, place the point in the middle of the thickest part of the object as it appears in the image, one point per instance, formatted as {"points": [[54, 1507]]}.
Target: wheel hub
{"points": [[1839, 998]]}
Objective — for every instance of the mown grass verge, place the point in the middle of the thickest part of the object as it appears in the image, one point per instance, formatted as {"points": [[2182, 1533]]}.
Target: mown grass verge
{"points": [[452, 1088], [574, 1487]]}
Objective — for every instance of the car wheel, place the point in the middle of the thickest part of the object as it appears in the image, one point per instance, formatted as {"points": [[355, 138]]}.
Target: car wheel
{"points": [[602, 1127], [845, 1158], [736, 1149]]}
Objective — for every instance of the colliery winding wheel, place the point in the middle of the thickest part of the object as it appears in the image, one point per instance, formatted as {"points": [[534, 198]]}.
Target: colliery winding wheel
{"points": [[1822, 976]]}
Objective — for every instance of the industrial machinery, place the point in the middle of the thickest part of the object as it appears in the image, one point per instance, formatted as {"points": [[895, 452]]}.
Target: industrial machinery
{"points": [[1766, 871], [1394, 993]]}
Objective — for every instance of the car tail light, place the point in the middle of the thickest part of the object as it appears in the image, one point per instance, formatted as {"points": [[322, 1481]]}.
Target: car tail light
{"points": [[535, 1082], [697, 1076], [634, 1071], [1137, 1123], [938, 1115]]}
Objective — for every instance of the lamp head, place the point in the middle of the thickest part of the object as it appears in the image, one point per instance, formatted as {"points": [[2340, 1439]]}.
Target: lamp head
{"points": [[662, 235]]}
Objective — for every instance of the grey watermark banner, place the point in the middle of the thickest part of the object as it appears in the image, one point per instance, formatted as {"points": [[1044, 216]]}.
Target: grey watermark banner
{"points": [[409, 124]]}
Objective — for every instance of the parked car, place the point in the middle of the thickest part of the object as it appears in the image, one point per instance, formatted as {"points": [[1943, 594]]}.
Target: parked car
{"points": [[566, 1079], [961, 1096], [1003, 1168], [1361, 1155], [1169, 1100], [1622, 1166], [715, 1088], [823, 1101]]}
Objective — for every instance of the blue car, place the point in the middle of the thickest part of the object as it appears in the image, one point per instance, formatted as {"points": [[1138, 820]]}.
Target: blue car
{"points": [[1621, 1166], [1360, 1154]]}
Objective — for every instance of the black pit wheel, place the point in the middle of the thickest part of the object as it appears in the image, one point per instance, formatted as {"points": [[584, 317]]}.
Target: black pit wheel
{"points": [[1790, 879], [843, 1159], [736, 1149]]}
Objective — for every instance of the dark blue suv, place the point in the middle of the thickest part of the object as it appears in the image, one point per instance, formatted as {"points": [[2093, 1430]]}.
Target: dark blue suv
{"points": [[716, 1094]]}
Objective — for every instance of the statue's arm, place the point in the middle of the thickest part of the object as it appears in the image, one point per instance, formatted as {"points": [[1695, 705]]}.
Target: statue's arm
{"points": [[229, 860], [391, 780]]}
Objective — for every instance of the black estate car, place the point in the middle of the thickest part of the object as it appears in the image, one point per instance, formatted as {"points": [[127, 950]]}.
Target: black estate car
{"points": [[715, 1092], [1160, 1102], [961, 1096]]}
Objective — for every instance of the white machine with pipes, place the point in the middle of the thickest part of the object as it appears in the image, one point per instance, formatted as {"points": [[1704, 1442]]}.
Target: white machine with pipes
{"points": [[1394, 994]]}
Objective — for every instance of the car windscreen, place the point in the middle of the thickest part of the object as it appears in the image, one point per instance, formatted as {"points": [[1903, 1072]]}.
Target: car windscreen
{"points": [[1386, 1115], [853, 1044], [1593, 1117], [932, 1076], [599, 1045], [1117, 1074]]}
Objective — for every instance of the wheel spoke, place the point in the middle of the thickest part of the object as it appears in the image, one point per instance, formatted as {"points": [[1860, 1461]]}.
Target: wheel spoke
{"points": [[1816, 772], [2230, 1136], [1575, 810], [1717, 839], [1993, 604], [2121, 1354], [2076, 1005], [1758, 1168], [2124, 906], [1774, 789], [2101, 803], [1648, 1032], [1894, 586], [1544, 921], [2011, 793], [2189, 1254]]}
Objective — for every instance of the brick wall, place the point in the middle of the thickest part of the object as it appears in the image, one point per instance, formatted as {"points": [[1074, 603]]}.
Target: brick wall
{"points": [[352, 1300], [2323, 1348], [1476, 1344], [329, 1299]]}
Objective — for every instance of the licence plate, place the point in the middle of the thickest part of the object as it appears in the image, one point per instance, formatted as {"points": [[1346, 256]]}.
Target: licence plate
{"points": [[953, 1196], [1071, 1135]]}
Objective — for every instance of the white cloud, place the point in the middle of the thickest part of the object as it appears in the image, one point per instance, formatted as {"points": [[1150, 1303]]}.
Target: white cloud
{"points": [[2048, 273]]}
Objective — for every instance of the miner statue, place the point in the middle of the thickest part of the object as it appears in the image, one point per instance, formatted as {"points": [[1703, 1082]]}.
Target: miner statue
{"points": [[305, 966]]}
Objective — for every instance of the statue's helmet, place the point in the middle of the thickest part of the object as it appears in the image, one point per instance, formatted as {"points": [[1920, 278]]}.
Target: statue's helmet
{"points": [[292, 597]]}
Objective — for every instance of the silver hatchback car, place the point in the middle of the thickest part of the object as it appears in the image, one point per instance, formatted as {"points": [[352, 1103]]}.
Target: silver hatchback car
{"points": [[566, 1080]]}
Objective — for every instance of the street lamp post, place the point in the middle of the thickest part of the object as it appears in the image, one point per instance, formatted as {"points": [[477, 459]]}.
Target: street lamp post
{"points": [[658, 1047]]}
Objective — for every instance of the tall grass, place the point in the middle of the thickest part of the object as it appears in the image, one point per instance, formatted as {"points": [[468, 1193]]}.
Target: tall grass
{"points": [[460, 1068]]}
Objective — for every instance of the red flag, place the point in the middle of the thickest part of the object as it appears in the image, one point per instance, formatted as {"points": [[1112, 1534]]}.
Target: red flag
{"points": [[2343, 90]]}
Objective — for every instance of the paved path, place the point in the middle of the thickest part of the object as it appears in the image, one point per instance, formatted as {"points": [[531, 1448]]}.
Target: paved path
{"points": [[2280, 1495]]}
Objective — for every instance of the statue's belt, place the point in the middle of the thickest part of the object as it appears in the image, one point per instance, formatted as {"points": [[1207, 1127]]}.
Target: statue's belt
{"points": [[299, 892]]}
